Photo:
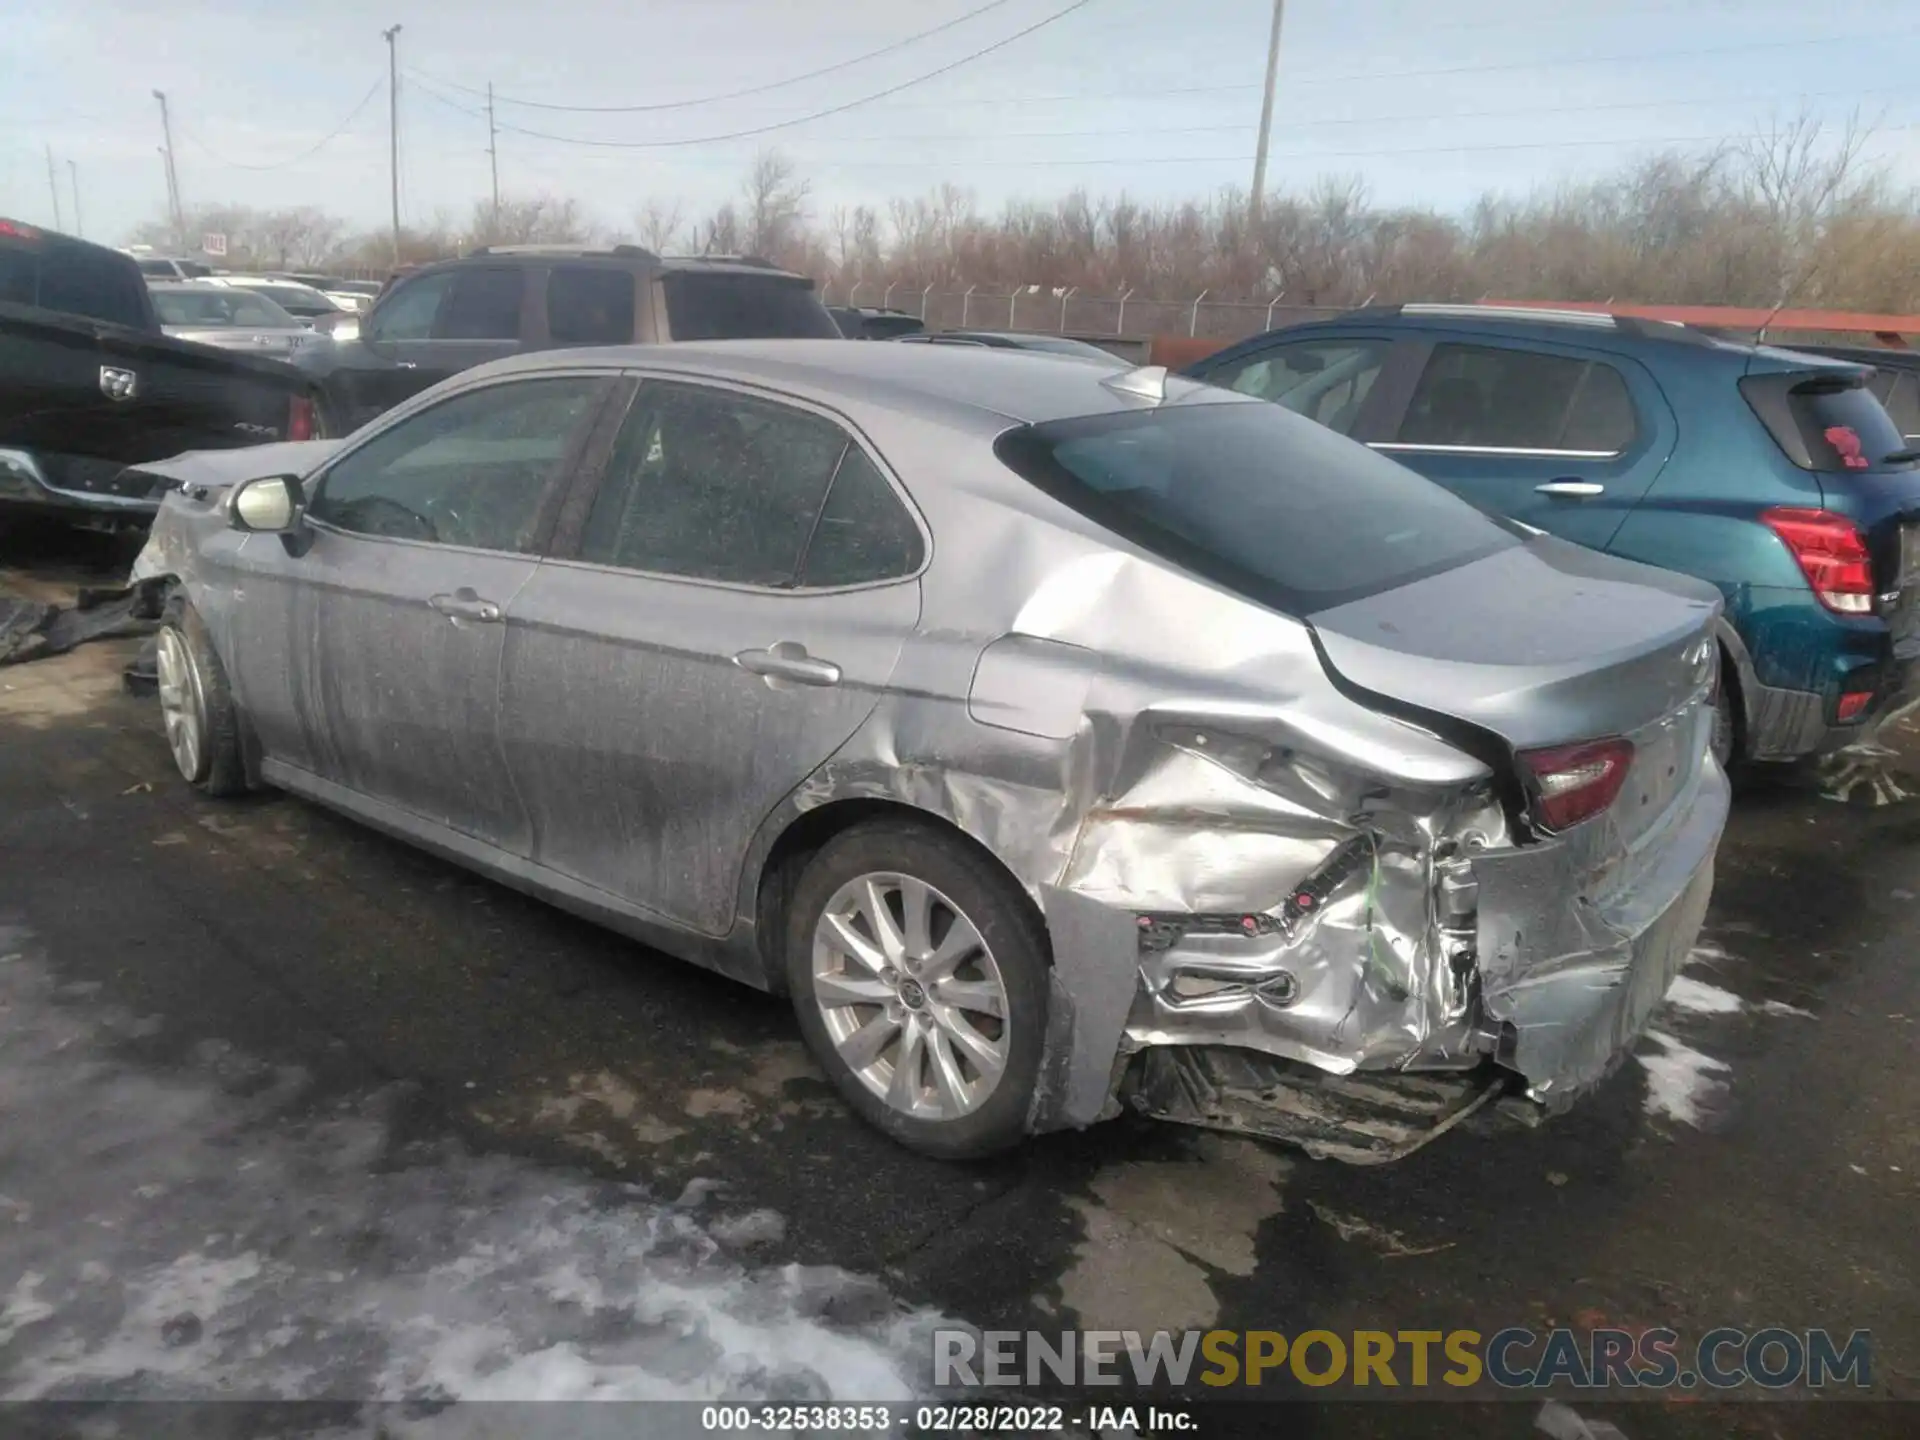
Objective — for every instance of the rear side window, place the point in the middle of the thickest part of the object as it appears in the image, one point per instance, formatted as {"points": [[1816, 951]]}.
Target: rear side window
{"points": [[74, 280], [1899, 391], [1482, 397], [727, 305], [712, 485], [865, 534], [483, 305], [1829, 423], [590, 305], [1274, 506], [1326, 381]]}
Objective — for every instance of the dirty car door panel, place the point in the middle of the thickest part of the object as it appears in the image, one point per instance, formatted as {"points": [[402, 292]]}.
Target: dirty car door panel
{"points": [[739, 595], [384, 634]]}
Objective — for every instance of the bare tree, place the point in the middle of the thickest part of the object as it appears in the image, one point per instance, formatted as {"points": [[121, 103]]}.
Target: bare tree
{"points": [[773, 209], [533, 220], [659, 224]]}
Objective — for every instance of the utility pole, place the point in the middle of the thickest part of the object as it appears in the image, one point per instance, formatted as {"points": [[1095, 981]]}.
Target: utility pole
{"points": [[393, 132], [493, 158], [1255, 201], [173, 175], [53, 188], [73, 174]]}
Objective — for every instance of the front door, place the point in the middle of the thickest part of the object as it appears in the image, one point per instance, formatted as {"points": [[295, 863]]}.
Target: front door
{"points": [[371, 656], [728, 613], [1552, 435]]}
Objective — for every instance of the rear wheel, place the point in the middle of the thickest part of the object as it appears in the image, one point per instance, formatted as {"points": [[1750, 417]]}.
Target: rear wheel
{"points": [[919, 976]]}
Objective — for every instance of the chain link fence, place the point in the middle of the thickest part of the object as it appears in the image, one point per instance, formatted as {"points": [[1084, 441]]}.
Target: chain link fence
{"points": [[1068, 312]]}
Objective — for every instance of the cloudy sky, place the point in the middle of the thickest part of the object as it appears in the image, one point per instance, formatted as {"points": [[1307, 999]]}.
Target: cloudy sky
{"points": [[1430, 101]]}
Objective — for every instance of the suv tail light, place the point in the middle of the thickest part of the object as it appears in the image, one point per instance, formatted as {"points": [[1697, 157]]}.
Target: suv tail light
{"points": [[300, 418], [1832, 554], [1572, 783]]}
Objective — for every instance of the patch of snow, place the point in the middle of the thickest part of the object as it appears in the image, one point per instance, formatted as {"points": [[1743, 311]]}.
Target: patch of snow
{"points": [[200, 1234], [1681, 1083], [1780, 1007], [1702, 998]]}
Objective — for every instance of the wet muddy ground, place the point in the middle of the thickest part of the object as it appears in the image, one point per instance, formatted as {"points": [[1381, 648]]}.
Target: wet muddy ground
{"points": [[351, 1121]]}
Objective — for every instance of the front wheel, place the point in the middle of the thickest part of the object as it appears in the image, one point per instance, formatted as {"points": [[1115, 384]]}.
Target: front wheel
{"points": [[196, 707], [919, 976]]}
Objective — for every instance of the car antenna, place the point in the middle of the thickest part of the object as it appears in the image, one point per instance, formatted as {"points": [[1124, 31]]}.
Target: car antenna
{"points": [[1148, 382]]}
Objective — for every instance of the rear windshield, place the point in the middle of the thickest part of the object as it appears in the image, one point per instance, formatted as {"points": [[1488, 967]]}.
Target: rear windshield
{"points": [[1826, 423], [726, 306], [76, 280], [1282, 510]]}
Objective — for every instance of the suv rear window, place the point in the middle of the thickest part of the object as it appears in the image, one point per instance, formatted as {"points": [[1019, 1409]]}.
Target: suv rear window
{"points": [[725, 305], [76, 280], [1830, 423], [1255, 498]]}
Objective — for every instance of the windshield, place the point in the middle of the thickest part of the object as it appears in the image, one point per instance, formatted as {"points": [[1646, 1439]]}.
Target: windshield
{"points": [[211, 307], [1258, 499]]}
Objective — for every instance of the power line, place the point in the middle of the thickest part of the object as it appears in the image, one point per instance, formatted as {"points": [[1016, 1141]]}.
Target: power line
{"points": [[1139, 93], [734, 94], [768, 129], [1245, 157], [307, 154], [1852, 92]]}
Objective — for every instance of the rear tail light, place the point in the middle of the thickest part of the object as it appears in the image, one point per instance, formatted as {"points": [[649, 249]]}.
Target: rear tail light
{"points": [[1572, 783], [1852, 707], [1832, 554], [300, 418]]}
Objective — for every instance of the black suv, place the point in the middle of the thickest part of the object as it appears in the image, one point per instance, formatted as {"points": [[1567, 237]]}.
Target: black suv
{"points": [[506, 299]]}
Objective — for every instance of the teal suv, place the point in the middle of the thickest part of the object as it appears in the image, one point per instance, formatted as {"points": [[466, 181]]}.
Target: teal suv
{"points": [[1777, 476]]}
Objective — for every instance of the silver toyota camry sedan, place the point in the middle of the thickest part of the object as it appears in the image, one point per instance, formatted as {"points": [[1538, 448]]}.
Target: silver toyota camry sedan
{"points": [[1060, 738]]}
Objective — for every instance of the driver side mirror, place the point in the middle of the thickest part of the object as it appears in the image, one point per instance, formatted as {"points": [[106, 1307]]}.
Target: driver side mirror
{"points": [[270, 505]]}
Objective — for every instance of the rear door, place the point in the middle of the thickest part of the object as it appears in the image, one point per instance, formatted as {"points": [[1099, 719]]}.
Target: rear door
{"points": [[723, 609], [1556, 436]]}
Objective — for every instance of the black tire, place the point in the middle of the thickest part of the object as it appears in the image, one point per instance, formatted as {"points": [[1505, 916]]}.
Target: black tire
{"points": [[1014, 937], [220, 769], [1729, 727]]}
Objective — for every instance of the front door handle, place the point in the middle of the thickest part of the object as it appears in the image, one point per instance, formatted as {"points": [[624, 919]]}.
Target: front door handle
{"points": [[463, 604], [788, 661], [1572, 489]]}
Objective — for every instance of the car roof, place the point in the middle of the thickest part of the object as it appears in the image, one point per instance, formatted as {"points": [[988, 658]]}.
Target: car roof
{"points": [[991, 387], [1600, 330]]}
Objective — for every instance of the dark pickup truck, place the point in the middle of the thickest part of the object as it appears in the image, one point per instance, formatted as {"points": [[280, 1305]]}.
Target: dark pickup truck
{"points": [[454, 314], [90, 386]]}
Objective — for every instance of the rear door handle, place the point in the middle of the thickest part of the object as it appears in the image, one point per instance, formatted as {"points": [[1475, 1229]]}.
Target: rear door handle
{"points": [[787, 660], [1574, 489], [463, 604]]}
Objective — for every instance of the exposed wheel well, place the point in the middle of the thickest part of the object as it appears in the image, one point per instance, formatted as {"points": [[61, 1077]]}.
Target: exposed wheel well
{"points": [[803, 839]]}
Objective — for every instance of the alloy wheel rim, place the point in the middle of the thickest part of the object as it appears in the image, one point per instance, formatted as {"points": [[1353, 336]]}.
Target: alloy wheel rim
{"points": [[911, 995], [179, 702]]}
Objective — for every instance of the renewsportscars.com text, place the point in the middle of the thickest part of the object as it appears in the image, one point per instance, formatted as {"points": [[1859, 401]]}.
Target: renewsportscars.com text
{"points": [[1517, 1358]]}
